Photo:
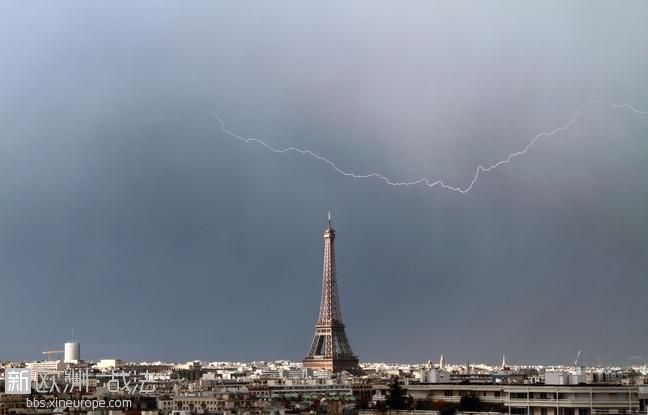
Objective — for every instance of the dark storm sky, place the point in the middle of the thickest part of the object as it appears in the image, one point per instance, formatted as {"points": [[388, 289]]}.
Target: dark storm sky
{"points": [[127, 215]]}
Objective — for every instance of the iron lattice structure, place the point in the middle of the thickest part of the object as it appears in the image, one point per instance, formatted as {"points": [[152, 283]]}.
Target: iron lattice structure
{"points": [[330, 349]]}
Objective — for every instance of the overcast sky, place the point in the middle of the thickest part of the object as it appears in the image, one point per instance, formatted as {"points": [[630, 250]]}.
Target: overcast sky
{"points": [[126, 214]]}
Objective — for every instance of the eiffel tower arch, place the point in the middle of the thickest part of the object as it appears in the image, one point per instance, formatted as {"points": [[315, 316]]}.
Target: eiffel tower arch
{"points": [[330, 349]]}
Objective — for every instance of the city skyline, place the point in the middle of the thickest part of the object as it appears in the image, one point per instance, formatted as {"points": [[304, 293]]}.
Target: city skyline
{"points": [[330, 305], [129, 215]]}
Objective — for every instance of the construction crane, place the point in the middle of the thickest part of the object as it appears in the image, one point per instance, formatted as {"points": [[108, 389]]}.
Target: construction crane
{"points": [[576, 360], [49, 353]]}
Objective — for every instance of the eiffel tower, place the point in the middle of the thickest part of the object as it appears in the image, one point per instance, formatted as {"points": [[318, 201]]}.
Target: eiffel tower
{"points": [[330, 349]]}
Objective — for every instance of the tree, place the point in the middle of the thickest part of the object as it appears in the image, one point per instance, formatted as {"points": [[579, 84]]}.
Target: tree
{"points": [[470, 403], [396, 398], [426, 405], [441, 406], [364, 402], [448, 409]]}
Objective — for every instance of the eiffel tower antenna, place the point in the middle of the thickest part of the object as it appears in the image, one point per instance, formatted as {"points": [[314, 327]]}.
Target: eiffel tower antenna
{"points": [[330, 349]]}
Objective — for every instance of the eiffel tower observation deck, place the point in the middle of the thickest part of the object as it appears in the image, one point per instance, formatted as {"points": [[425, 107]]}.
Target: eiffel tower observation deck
{"points": [[330, 349]]}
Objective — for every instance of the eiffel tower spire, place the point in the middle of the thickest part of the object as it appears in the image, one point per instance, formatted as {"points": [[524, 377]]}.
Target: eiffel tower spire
{"points": [[330, 349]]}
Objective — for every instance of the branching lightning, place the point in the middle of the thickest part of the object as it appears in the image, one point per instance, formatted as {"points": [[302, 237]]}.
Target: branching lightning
{"points": [[425, 181]]}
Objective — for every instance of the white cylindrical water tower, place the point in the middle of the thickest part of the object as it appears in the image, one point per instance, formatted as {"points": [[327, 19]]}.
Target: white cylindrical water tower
{"points": [[72, 352]]}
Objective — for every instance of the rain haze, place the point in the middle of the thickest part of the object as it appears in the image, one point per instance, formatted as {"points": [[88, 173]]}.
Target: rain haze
{"points": [[127, 214]]}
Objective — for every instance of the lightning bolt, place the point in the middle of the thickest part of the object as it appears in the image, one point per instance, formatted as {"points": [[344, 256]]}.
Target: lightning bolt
{"points": [[426, 181]]}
